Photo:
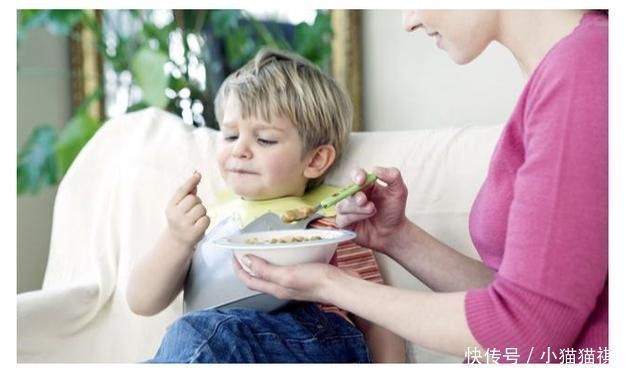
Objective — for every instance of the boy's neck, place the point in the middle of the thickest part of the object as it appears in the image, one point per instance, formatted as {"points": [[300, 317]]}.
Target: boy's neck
{"points": [[270, 199]]}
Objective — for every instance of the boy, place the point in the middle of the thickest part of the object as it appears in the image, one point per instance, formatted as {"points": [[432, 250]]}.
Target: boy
{"points": [[284, 123]]}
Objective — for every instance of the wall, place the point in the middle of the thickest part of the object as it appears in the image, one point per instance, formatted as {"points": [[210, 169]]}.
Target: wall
{"points": [[409, 83], [43, 97]]}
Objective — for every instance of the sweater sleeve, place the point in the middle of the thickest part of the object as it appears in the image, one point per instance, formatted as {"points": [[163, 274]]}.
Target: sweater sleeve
{"points": [[555, 257]]}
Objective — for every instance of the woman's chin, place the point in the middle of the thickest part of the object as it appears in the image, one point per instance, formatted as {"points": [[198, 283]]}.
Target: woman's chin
{"points": [[461, 59]]}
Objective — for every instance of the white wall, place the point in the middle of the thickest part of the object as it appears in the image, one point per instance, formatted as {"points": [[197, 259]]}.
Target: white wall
{"points": [[43, 97], [409, 83]]}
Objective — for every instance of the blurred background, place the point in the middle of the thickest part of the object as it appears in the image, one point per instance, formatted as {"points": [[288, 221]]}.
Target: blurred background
{"points": [[78, 68]]}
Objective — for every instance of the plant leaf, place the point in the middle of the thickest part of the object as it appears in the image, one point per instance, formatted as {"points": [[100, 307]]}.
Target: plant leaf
{"points": [[37, 163], [28, 19], [147, 68], [224, 21], [74, 136], [57, 22], [239, 48], [61, 22], [314, 41]]}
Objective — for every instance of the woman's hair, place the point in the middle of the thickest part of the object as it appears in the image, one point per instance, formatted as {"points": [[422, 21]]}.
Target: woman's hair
{"points": [[287, 85]]}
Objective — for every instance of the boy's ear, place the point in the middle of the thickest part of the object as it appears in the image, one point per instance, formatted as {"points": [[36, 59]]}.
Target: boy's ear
{"points": [[319, 161]]}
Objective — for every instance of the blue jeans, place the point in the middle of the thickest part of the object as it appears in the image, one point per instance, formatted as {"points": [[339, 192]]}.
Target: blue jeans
{"points": [[297, 333]]}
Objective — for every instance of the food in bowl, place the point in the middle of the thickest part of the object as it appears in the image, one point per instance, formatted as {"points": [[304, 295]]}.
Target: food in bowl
{"points": [[294, 246], [286, 239]]}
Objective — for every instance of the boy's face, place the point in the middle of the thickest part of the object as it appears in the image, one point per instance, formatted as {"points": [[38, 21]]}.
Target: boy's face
{"points": [[260, 160]]}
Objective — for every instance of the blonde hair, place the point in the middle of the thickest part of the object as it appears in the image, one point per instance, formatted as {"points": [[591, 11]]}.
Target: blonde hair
{"points": [[287, 85]]}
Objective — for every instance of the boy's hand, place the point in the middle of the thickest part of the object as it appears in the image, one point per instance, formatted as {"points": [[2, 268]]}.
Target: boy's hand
{"points": [[376, 214], [186, 215]]}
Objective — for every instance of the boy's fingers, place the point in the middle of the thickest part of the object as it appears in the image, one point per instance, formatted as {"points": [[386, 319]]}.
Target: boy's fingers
{"points": [[203, 222], [188, 187], [196, 213], [187, 203]]}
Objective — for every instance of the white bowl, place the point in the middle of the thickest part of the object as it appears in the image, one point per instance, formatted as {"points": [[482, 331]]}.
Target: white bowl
{"points": [[290, 253]]}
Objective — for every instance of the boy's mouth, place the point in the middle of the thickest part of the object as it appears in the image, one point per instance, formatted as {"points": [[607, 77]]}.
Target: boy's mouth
{"points": [[241, 171]]}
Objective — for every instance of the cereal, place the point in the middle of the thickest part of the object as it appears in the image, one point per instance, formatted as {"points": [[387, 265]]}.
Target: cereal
{"points": [[296, 214], [285, 239]]}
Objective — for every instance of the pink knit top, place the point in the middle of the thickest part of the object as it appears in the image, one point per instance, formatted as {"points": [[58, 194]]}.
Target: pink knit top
{"points": [[540, 218]]}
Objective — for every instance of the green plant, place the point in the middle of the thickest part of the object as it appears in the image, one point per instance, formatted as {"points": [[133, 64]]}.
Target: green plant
{"points": [[176, 65]]}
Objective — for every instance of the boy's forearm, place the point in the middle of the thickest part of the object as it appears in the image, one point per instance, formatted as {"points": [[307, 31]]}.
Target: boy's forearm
{"points": [[158, 275], [384, 346]]}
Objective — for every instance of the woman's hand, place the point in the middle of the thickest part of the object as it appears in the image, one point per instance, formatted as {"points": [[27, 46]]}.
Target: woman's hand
{"points": [[303, 282], [376, 214]]}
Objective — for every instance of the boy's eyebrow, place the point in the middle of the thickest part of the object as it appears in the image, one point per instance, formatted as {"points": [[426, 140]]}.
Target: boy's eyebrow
{"points": [[255, 125], [229, 125], [260, 125]]}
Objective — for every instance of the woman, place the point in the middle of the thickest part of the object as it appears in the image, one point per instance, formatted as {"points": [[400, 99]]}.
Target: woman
{"points": [[539, 221]]}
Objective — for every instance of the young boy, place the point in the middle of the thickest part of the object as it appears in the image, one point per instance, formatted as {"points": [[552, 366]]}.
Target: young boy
{"points": [[284, 123]]}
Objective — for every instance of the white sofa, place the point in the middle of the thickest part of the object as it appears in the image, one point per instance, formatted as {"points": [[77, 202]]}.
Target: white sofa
{"points": [[110, 206]]}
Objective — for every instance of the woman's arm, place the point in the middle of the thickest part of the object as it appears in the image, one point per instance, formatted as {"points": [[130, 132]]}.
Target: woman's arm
{"points": [[433, 320], [437, 265], [377, 215]]}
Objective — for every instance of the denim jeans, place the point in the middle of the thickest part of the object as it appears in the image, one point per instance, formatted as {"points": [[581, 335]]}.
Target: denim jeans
{"points": [[297, 333]]}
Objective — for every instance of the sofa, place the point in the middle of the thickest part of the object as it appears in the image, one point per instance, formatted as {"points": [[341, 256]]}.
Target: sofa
{"points": [[110, 206]]}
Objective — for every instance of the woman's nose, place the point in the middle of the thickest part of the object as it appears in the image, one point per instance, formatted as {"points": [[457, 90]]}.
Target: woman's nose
{"points": [[409, 20]]}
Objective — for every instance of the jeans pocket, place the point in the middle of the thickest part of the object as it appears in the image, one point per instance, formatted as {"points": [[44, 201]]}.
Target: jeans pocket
{"points": [[311, 318]]}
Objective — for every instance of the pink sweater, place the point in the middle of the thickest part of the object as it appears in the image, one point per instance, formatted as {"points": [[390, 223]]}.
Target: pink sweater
{"points": [[540, 218]]}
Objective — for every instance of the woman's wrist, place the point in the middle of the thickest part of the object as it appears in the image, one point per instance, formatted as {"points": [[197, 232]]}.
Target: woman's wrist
{"points": [[403, 239], [335, 279]]}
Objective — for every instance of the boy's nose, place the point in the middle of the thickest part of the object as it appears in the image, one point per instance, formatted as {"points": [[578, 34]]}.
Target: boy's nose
{"points": [[241, 149]]}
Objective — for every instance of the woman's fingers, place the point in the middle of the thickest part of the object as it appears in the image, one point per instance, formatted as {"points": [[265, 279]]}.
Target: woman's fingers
{"points": [[389, 175], [359, 199], [356, 205], [257, 281], [345, 219], [354, 209], [393, 179], [261, 268], [359, 176]]}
